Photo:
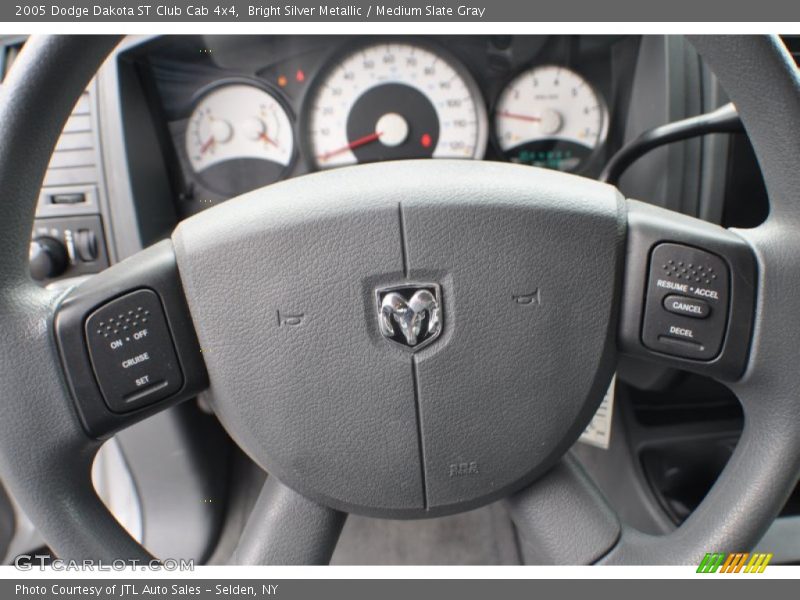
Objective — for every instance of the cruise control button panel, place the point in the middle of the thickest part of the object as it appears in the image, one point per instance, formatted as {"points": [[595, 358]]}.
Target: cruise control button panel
{"points": [[132, 351], [686, 306]]}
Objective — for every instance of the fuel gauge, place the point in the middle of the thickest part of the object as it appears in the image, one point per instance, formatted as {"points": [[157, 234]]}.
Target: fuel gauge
{"points": [[239, 137]]}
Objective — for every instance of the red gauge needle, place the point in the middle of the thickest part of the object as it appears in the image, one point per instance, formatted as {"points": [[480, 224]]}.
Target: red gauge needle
{"points": [[265, 138], [371, 137], [207, 145], [518, 116]]}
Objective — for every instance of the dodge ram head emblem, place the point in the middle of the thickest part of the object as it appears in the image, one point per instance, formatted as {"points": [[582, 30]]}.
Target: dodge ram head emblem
{"points": [[410, 315]]}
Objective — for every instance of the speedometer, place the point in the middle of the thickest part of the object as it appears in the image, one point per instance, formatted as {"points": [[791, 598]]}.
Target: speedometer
{"points": [[550, 116], [395, 101]]}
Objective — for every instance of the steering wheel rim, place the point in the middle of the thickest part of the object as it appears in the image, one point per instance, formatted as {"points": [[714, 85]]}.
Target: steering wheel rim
{"points": [[764, 468], [50, 75]]}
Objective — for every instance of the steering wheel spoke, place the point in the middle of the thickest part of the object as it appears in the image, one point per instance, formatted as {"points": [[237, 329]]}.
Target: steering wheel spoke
{"points": [[563, 518], [127, 342], [688, 294], [47, 438], [286, 528]]}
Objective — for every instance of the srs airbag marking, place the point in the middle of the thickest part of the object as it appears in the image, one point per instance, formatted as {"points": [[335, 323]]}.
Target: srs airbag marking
{"points": [[464, 468]]}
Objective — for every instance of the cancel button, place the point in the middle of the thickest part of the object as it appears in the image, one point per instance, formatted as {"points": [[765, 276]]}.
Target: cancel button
{"points": [[689, 307]]}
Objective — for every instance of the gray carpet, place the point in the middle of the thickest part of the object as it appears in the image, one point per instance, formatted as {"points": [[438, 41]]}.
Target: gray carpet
{"points": [[480, 537]]}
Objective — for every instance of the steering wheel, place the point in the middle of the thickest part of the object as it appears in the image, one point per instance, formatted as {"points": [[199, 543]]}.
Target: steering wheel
{"points": [[405, 340]]}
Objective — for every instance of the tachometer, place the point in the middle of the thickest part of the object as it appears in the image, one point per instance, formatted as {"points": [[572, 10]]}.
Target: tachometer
{"points": [[395, 101], [239, 138], [550, 116]]}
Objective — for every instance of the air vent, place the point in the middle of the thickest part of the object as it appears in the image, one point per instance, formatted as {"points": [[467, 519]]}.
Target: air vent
{"points": [[74, 161], [73, 176], [73, 188], [71, 184]]}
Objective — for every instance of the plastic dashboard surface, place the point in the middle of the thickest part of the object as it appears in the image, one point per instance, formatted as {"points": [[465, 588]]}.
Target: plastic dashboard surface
{"points": [[239, 112]]}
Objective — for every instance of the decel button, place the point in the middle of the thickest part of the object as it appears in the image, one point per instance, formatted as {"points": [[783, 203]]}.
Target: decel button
{"points": [[132, 353], [690, 307]]}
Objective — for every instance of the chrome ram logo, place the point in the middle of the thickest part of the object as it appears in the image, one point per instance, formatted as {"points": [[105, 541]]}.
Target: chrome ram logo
{"points": [[410, 315]]}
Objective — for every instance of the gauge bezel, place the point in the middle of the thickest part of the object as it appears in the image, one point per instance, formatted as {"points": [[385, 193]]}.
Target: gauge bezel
{"points": [[262, 85], [602, 138], [351, 47]]}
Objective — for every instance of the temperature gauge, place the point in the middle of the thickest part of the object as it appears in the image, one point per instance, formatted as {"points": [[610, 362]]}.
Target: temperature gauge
{"points": [[550, 116], [239, 138]]}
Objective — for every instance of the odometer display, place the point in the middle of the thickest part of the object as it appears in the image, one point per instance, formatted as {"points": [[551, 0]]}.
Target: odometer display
{"points": [[395, 101]]}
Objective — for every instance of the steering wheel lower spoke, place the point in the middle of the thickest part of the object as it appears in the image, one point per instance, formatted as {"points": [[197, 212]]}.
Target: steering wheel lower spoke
{"points": [[285, 528], [563, 519]]}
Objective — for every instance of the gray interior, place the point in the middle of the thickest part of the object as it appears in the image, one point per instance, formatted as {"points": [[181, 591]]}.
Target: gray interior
{"points": [[384, 451], [336, 249]]}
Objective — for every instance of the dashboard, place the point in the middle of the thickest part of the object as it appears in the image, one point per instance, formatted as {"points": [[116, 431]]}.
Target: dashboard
{"points": [[235, 114]]}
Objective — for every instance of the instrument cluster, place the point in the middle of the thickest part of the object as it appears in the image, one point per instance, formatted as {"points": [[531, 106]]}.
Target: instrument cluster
{"points": [[240, 124]]}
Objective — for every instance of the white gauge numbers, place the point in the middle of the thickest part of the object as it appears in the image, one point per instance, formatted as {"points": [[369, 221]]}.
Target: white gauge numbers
{"points": [[235, 121], [455, 128], [550, 116]]}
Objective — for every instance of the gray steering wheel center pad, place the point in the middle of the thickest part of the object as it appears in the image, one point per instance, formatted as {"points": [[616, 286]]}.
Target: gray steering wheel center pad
{"points": [[281, 284]]}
